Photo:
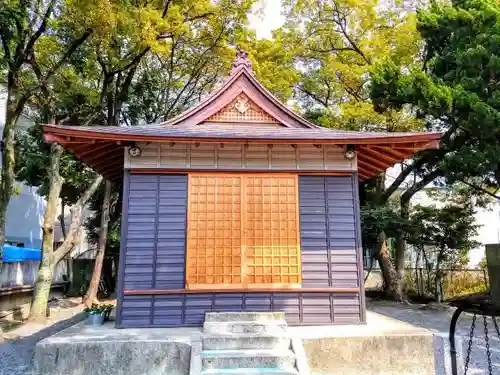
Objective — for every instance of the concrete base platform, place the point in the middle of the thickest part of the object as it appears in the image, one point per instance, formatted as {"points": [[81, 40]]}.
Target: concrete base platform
{"points": [[105, 350], [382, 346]]}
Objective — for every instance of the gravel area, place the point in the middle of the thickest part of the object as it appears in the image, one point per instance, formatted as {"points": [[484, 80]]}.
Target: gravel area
{"points": [[437, 319], [17, 345]]}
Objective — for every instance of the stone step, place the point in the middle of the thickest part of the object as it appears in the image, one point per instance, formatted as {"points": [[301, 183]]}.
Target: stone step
{"points": [[249, 358], [273, 327], [249, 371], [243, 316], [244, 341]]}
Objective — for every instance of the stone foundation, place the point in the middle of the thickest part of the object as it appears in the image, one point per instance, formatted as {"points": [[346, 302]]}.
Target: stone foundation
{"points": [[104, 350], [382, 346]]}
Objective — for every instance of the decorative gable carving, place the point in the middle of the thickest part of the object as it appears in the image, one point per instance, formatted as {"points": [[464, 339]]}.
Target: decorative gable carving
{"points": [[242, 109]]}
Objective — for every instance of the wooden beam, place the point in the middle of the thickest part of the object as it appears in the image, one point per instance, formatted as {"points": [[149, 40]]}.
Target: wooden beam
{"points": [[238, 290], [364, 175], [396, 154], [239, 171], [368, 167], [85, 148], [368, 159], [378, 155], [53, 138], [95, 149], [111, 151], [108, 158], [116, 165]]}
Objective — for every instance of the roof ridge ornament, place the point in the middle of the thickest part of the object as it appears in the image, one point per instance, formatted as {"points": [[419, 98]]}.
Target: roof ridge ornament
{"points": [[241, 60]]}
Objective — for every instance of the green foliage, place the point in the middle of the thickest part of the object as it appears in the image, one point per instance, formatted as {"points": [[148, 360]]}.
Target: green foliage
{"points": [[376, 219], [144, 62], [335, 45], [448, 230], [97, 309], [483, 264], [33, 166], [456, 90], [420, 282], [93, 222]]}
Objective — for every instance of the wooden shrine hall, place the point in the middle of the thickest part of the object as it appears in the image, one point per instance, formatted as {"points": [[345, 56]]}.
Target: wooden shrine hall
{"points": [[239, 204]]}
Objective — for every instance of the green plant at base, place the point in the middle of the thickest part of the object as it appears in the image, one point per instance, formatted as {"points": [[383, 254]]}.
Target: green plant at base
{"points": [[96, 309]]}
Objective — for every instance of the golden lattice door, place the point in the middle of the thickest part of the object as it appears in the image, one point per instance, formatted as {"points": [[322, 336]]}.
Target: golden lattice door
{"points": [[243, 231]]}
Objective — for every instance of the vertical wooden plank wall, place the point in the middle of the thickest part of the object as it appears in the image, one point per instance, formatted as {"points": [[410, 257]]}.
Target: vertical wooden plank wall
{"points": [[328, 243], [154, 241], [329, 223]]}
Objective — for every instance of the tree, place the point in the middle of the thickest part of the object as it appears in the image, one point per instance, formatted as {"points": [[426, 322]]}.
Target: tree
{"points": [[91, 295], [445, 234], [336, 46], [102, 76], [379, 223], [37, 40], [454, 90], [61, 178], [174, 68]]}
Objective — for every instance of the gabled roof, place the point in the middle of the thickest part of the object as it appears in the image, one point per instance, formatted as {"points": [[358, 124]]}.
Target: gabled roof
{"points": [[240, 81], [240, 111]]}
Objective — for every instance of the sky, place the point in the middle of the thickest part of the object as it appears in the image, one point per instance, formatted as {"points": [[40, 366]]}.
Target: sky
{"points": [[269, 18]]}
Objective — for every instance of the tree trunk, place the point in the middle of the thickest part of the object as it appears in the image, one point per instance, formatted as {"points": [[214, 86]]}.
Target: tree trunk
{"points": [[91, 295], [438, 279], [51, 258], [392, 287], [43, 283], [391, 282], [45, 272], [8, 164], [438, 284], [401, 242], [428, 268]]}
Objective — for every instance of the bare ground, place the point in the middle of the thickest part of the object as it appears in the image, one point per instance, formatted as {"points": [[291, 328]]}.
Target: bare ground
{"points": [[18, 341]]}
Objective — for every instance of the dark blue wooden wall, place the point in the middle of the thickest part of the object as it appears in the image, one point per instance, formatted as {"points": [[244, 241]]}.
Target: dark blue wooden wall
{"points": [[153, 254]]}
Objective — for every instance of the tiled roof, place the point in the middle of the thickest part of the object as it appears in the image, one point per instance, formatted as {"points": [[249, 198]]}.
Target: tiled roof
{"points": [[242, 133], [102, 147]]}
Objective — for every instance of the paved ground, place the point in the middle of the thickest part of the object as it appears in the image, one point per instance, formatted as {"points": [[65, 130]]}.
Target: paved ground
{"points": [[438, 320], [16, 347]]}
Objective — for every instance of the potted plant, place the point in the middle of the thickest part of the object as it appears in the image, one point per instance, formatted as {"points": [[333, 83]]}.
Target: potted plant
{"points": [[107, 308], [95, 314]]}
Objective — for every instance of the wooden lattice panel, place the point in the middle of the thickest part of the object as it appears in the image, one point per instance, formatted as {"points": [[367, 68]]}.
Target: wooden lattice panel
{"points": [[272, 231], [242, 109], [214, 231], [242, 231]]}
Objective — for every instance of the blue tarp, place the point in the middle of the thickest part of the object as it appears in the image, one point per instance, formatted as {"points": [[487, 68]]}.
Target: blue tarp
{"points": [[20, 254]]}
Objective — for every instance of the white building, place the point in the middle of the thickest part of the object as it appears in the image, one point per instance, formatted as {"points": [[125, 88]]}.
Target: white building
{"points": [[26, 208]]}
